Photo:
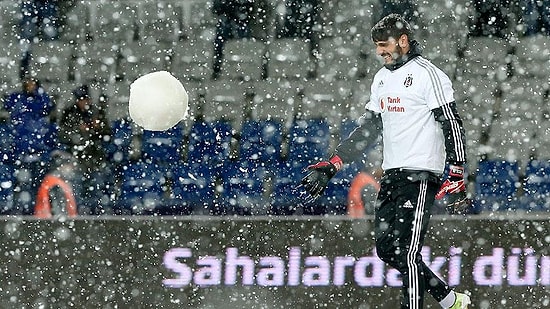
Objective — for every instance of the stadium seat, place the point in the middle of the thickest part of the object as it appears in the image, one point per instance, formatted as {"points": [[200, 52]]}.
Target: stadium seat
{"points": [[7, 184], [192, 189], [286, 197], [261, 140], [309, 140], [273, 99], [228, 101], [339, 57], [142, 189], [243, 190], [10, 13], [52, 61], [163, 148], [10, 63], [141, 57], [197, 18], [289, 58], [201, 143], [347, 17], [444, 36], [496, 185], [244, 60], [76, 26], [118, 148], [192, 59], [536, 186], [114, 21], [160, 21], [487, 57], [223, 145], [95, 62], [323, 98], [532, 54]]}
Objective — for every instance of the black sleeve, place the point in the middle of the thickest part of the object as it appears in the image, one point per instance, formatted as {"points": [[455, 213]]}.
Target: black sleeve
{"points": [[355, 147], [453, 131]]}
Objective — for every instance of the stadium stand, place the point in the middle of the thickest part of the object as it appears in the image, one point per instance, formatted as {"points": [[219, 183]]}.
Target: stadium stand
{"points": [[501, 87]]}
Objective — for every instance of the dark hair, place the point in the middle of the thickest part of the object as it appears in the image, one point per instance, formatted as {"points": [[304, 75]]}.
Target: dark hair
{"points": [[391, 26], [82, 92]]}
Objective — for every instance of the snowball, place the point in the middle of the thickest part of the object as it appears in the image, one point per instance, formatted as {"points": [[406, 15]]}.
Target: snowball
{"points": [[158, 101]]}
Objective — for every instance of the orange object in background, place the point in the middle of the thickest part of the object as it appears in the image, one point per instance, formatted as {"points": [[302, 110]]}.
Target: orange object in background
{"points": [[356, 205], [43, 207]]}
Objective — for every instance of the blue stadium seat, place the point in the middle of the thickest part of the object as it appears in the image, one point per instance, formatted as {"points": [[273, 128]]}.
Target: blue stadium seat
{"points": [[201, 142], [537, 185], [309, 140], [243, 189], [261, 140], [36, 138], [210, 143], [6, 141], [119, 146], [222, 150], [142, 189], [192, 188], [286, 199], [163, 148], [7, 183], [496, 185]]}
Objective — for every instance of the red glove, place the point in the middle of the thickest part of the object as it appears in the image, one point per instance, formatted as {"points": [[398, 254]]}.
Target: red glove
{"points": [[454, 183]]}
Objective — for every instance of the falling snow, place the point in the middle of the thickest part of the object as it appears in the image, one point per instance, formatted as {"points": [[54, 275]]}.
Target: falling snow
{"points": [[284, 97]]}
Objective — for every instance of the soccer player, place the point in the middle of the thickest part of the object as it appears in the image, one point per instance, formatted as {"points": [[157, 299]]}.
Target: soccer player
{"points": [[422, 132]]}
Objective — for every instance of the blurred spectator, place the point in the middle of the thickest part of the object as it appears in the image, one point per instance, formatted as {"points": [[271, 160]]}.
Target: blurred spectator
{"points": [[31, 103], [39, 19], [490, 18], [35, 136], [536, 16], [55, 195], [84, 131]]}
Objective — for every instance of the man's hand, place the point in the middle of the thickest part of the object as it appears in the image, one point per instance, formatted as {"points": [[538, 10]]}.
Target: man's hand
{"points": [[319, 175], [455, 187]]}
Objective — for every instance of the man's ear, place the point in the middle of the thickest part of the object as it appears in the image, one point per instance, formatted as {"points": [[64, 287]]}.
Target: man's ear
{"points": [[403, 40]]}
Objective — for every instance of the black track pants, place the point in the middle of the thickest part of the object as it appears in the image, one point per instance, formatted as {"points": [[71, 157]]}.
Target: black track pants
{"points": [[401, 221]]}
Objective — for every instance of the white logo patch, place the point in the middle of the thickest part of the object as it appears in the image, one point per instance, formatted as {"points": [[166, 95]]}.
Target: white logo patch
{"points": [[408, 204]]}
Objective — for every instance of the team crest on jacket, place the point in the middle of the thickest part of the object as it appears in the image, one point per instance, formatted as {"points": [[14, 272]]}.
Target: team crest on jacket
{"points": [[408, 81]]}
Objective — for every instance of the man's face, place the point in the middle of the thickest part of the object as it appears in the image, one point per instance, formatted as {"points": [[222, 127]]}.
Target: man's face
{"points": [[30, 86], [389, 50], [83, 103]]}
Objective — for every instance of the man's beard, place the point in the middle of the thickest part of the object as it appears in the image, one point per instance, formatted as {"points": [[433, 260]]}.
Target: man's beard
{"points": [[396, 55]]}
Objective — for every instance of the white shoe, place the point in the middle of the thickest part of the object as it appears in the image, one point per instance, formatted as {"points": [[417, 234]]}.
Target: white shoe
{"points": [[461, 302]]}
